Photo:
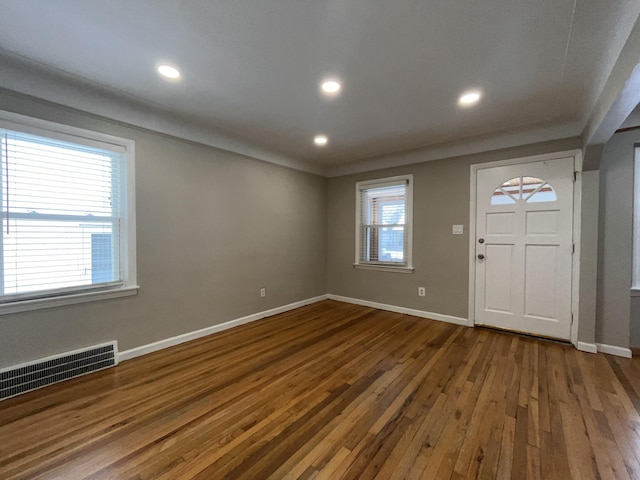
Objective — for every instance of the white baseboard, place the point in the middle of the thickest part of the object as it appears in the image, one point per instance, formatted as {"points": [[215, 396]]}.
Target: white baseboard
{"points": [[613, 350], [408, 311], [186, 337], [604, 348], [587, 347]]}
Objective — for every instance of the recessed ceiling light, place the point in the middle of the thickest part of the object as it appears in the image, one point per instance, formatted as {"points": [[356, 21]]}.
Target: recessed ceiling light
{"points": [[321, 140], [331, 86], [469, 98], [169, 71]]}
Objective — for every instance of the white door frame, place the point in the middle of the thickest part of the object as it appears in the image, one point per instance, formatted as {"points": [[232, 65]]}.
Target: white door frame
{"points": [[577, 215]]}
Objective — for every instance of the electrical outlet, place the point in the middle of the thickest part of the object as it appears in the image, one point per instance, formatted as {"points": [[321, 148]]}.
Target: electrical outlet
{"points": [[263, 292], [421, 292], [458, 229]]}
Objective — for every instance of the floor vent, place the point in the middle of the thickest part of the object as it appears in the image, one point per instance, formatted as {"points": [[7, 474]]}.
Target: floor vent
{"points": [[30, 376]]}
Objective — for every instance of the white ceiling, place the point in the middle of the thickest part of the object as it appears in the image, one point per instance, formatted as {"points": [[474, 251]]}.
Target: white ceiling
{"points": [[251, 68]]}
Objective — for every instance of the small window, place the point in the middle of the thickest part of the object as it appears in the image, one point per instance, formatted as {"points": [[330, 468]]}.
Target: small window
{"points": [[383, 232], [529, 189], [66, 212]]}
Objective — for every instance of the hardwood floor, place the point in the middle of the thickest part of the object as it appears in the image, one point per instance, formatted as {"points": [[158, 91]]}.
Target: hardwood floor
{"points": [[336, 391]]}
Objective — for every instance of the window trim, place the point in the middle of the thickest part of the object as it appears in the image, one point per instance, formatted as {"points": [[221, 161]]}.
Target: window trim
{"points": [[85, 293], [635, 273], [406, 267]]}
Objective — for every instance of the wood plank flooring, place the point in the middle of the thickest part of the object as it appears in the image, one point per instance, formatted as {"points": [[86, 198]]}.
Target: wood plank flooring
{"points": [[336, 391]]}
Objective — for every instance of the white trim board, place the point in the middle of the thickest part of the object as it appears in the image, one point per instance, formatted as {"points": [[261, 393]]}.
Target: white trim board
{"points": [[56, 86], [613, 350], [187, 337], [408, 311], [587, 347], [30, 78], [470, 146], [582, 346]]}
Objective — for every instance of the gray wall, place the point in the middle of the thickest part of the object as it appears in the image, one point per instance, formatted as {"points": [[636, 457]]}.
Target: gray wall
{"points": [[615, 253], [634, 333], [213, 227], [589, 256], [441, 260]]}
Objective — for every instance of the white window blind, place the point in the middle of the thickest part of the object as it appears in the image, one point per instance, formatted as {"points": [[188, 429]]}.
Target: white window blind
{"points": [[61, 207], [384, 222]]}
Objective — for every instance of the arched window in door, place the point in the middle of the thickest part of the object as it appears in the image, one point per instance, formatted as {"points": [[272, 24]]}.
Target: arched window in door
{"points": [[523, 189]]}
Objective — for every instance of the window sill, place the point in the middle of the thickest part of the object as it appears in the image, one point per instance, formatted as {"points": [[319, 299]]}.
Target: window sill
{"points": [[635, 292], [384, 268], [62, 300]]}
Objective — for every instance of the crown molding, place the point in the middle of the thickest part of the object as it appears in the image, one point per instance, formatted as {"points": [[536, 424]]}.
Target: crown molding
{"points": [[33, 79], [487, 143]]}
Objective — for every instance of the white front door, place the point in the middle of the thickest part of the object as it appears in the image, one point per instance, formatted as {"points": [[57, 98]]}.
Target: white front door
{"points": [[524, 219]]}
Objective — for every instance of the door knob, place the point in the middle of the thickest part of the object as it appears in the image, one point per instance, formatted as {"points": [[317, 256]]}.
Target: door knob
{"points": [[481, 240], [481, 257]]}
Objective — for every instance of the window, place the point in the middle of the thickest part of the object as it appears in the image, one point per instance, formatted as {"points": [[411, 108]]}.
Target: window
{"points": [[66, 202], [529, 189], [383, 223]]}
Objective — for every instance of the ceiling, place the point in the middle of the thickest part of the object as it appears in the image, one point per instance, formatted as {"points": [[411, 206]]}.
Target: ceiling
{"points": [[252, 68], [633, 120]]}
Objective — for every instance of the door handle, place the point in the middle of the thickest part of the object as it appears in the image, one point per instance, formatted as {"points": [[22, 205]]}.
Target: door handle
{"points": [[480, 257]]}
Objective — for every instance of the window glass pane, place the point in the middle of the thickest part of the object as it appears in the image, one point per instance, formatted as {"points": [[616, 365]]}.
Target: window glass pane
{"points": [[382, 232], [382, 244], [102, 267], [512, 187], [530, 189], [60, 207], [507, 193], [391, 213], [530, 185], [366, 249], [546, 193], [384, 205], [45, 255], [501, 198], [391, 247], [47, 176]]}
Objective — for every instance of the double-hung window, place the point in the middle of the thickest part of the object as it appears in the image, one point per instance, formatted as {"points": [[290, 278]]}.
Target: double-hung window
{"points": [[383, 223], [66, 202]]}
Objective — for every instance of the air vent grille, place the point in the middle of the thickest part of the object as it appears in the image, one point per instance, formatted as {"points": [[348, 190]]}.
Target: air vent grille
{"points": [[27, 377]]}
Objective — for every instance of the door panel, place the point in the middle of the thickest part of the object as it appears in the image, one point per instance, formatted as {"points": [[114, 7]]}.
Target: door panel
{"points": [[498, 276], [524, 223], [500, 223], [540, 282], [542, 223]]}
